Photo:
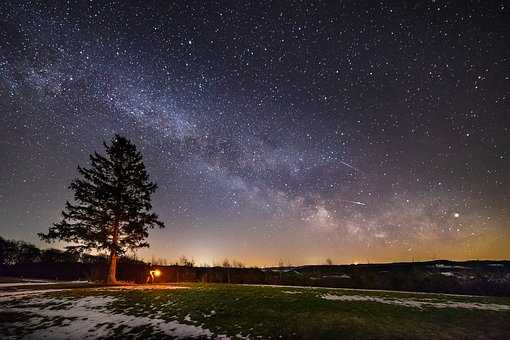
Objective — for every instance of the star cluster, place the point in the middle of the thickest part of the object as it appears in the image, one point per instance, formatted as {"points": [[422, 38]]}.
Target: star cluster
{"points": [[299, 131]]}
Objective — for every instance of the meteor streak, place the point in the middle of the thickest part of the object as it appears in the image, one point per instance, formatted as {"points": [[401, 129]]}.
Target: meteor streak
{"points": [[350, 166], [354, 202]]}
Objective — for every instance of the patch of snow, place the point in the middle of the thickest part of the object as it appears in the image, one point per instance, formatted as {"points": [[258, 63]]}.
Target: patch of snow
{"points": [[447, 274], [212, 313], [36, 280], [291, 292], [343, 276], [6, 296], [40, 282], [445, 266], [85, 314], [418, 303], [14, 284], [503, 279], [361, 290]]}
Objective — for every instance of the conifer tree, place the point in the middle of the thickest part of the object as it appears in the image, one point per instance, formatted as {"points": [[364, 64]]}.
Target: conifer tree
{"points": [[112, 208]]}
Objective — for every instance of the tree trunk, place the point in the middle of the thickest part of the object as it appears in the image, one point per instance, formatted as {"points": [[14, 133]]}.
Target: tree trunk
{"points": [[111, 276]]}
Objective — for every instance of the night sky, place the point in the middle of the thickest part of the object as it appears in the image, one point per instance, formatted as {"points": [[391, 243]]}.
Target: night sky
{"points": [[352, 130]]}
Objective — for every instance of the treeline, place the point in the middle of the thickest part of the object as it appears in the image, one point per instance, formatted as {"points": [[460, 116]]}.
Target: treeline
{"points": [[23, 259], [184, 261], [14, 252]]}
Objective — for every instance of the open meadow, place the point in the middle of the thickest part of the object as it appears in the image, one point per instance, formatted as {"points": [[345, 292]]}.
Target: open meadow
{"points": [[240, 311]]}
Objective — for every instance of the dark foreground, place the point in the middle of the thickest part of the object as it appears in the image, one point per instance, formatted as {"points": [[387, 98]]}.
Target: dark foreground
{"points": [[236, 311]]}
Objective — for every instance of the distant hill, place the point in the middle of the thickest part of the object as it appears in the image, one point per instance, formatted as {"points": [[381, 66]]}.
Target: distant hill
{"points": [[466, 277]]}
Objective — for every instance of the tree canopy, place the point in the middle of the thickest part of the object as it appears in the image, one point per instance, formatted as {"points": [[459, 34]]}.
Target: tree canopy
{"points": [[112, 208]]}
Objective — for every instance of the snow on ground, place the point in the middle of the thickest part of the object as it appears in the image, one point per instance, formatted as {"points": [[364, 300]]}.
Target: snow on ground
{"points": [[343, 276], [7, 296], [418, 303], [10, 295], [361, 290], [89, 318], [39, 282], [444, 266], [447, 274]]}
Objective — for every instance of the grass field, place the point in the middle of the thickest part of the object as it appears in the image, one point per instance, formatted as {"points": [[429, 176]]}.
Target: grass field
{"points": [[234, 311]]}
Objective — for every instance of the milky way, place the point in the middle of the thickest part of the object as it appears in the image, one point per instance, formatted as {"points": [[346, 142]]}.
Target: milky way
{"points": [[299, 132]]}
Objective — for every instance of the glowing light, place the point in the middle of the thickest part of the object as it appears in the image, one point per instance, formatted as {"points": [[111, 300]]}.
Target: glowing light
{"points": [[456, 215], [157, 273]]}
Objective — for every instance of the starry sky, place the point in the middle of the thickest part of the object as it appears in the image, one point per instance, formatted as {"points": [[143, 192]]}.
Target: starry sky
{"points": [[277, 131]]}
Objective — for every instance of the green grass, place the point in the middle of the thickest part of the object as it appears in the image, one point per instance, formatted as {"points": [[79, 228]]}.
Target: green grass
{"points": [[268, 312]]}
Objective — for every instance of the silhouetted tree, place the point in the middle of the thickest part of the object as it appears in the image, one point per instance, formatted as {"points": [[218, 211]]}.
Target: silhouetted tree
{"points": [[226, 266], [112, 209], [184, 261], [27, 253], [3, 250], [53, 255], [237, 264], [8, 251]]}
